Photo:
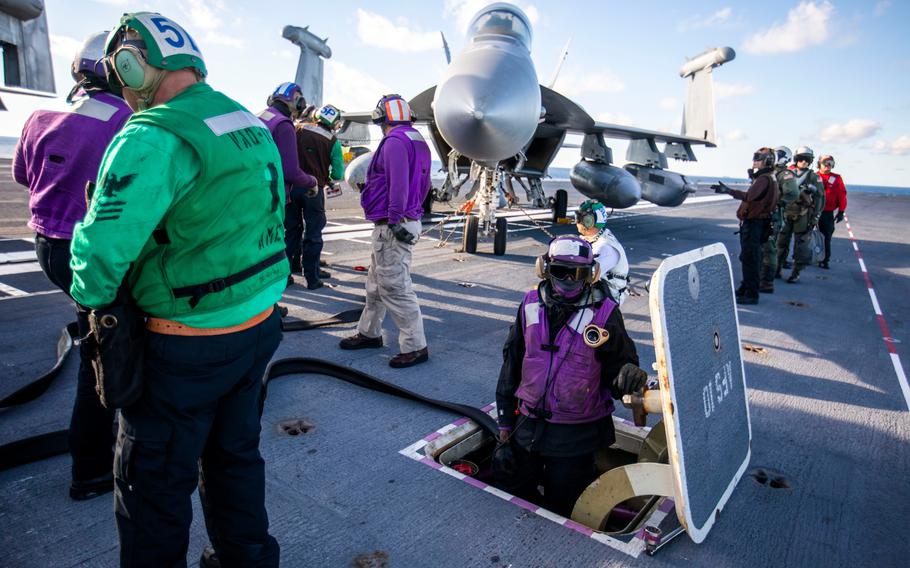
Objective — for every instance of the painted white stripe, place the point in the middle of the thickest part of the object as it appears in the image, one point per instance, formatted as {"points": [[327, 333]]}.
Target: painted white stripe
{"points": [[855, 246], [875, 306], [19, 268], [7, 289], [232, 121], [412, 450], [20, 256], [862, 265], [901, 377], [498, 492], [29, 295], [558, 519], [359, 241]]}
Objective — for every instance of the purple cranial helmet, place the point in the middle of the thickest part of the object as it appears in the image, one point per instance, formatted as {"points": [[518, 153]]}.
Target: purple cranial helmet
{"points": [[291, 94], [568, 265], [392, 109], [90, 57]]}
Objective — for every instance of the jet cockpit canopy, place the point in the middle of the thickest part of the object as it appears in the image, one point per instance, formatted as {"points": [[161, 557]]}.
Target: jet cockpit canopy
{"points": [[501, 19]]}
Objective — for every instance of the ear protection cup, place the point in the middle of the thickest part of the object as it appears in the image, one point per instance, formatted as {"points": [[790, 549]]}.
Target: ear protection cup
{"points": [[595, 274], [588, 219], [540, 266], [130, 67]]}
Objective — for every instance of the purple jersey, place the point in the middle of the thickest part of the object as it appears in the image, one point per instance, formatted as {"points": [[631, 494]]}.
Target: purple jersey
{"points": [[285, 138], [398, 178], [58, 153]]}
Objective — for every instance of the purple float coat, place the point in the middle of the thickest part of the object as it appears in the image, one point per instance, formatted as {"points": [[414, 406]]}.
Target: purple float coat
{"points": [[398, 178], [58, 153], [565, 381], [282, 129]]}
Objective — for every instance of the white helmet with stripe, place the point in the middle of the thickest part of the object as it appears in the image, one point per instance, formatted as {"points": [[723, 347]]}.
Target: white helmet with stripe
{"points": [[392, 109]]}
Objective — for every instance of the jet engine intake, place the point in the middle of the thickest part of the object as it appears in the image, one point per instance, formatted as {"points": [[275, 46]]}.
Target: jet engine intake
{"points": [[612, 186], [661, 187]]}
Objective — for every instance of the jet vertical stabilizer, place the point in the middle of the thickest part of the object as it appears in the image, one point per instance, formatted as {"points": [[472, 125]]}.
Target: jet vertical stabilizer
{"points": [[313, 50], [698, 114]]}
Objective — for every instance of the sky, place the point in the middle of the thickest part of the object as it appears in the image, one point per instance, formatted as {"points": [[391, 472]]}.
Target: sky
{"points": [[833, 75]]}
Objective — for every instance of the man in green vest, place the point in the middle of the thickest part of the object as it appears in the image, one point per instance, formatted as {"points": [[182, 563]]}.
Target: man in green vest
{"points": [[789, 192], [187, 220]]}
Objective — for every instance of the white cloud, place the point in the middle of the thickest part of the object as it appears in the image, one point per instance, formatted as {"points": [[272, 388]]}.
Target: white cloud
{"points": [[728, 90], [898, 147], [735, 135], [379, 31], [808, 24], [614, 118], [668, 103], [881, 7], [204, 15], [698, 21], [351, 89], [851, 131], [64, 47], [573, 84], [464, 10], [283, 53]]}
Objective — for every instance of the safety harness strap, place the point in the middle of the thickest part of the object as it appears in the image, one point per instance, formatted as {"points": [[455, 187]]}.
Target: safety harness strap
{"points": [[199, 291]]}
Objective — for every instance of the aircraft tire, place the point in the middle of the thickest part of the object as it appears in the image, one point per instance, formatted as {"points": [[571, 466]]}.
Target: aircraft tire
{"points": [[470, 234], [560, 204], [499, 240]]}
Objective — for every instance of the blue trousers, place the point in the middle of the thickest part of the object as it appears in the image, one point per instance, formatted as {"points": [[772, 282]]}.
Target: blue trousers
{"points": [[200, 408], [303, 224], [91, 432]]}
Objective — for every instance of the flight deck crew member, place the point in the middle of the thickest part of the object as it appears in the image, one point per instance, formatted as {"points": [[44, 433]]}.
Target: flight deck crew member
{"points": [[591, 221], [56, 156], [801, 216], [188, 215], [320, 154], [789, 191], [286, 104], [835, 200], [397, 182], [754, 215], [555, 390]]}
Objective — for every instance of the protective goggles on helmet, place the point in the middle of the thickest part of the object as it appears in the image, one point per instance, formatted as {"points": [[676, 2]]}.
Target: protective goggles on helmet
{"points": [[827, 162], [803, 158], [761, 157], [574, 273]]}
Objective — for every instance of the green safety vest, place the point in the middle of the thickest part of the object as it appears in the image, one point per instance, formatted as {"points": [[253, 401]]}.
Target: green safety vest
{"points": [[230, 220]]}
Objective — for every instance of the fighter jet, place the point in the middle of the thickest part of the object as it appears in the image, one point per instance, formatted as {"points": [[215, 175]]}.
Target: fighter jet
{"points": [[493, 124]]}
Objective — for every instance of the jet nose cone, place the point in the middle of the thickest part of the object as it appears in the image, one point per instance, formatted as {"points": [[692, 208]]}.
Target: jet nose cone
{"points": [[488, 110]]}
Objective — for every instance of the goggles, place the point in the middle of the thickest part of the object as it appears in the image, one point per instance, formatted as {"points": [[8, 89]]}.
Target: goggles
{"points": [[827, 163], [761, 157], [573, 273], [803, 158]]}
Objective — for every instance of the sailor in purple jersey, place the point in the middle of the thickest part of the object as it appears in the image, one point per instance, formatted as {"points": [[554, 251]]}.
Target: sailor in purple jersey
{"points": [[285, 105], [397, 182], [556, 389], [58, 154]]}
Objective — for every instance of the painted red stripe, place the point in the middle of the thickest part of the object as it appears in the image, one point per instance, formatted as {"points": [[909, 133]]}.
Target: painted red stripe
{"points": [[886, 334]]}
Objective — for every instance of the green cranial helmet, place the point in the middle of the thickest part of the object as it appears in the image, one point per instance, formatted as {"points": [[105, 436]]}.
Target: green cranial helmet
{"points": [[591, 214], [328, 116], [167, 45]]}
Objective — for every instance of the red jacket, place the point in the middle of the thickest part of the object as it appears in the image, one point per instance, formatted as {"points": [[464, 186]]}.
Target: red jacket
{"points": [[835, 191]]}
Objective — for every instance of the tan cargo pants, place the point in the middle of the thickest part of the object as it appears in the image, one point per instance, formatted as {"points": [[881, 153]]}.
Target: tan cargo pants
{"points": [[389, 289]]}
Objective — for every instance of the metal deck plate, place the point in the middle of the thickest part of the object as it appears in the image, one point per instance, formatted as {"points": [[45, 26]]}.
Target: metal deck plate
{"points": [[706, 413]]}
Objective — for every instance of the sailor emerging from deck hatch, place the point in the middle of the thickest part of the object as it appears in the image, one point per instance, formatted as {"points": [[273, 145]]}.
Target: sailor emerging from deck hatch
{"points": [[557, 383]]}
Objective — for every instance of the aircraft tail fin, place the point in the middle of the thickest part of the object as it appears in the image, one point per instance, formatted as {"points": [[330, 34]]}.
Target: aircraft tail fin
{"points": [[698, 114], [445, 48], [562, 59]]}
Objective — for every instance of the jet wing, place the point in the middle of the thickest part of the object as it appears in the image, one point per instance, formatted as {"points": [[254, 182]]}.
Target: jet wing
{"points": [[564, 114]]}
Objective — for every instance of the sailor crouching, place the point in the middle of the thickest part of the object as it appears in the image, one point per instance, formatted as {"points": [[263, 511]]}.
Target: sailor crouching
{"points": [[397, 183], [188, 216], [555, 390]]}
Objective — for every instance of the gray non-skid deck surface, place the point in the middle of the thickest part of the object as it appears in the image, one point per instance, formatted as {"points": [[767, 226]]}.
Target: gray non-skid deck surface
{"points": [[827, 413]]}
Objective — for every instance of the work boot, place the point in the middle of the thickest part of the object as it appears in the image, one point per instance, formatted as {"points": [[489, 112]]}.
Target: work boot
{"points": [[324, 273], [82, 490], [766, 287], [824, 264], [209, 558], [740, 289], [747, 300], [360, 341], [290, 282], [777, 275], [403, 360], [787, 264], [323, 263], [314, 284], [794, 277]]}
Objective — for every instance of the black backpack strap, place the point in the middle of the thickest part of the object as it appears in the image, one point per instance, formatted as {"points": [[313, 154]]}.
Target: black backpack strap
{"points": [[197, 292]]}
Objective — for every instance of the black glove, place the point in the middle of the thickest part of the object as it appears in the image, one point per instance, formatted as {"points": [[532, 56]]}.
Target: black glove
{"points": [[504, 466], [403, 234], [720, 187], [839, 217], [631, 379]]}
